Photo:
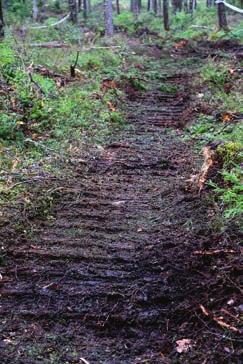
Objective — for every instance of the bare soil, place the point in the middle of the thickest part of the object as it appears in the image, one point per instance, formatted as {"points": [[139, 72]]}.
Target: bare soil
{"points": [[120, 272]]}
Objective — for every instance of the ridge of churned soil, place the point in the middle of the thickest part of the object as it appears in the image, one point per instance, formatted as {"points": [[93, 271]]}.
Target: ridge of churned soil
{"points": [[114, 277]]}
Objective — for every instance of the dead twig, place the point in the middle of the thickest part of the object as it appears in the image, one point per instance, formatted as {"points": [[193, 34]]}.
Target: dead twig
{"points": [[38, 87], [214, 252], [218, 320]]}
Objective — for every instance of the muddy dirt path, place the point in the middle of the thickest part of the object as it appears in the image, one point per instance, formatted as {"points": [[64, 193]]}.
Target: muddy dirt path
{"points": [[113, 277]]}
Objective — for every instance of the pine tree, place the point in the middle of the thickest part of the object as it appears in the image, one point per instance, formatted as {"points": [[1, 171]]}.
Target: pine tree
{"points": [[1, 21], [73, 11], [35, 10], [118, 10], [222, 20], [109, 29], [166, 14]]}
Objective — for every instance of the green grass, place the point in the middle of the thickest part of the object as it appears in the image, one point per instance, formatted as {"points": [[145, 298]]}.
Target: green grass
{"points": [[38, 128], [220, 90]]}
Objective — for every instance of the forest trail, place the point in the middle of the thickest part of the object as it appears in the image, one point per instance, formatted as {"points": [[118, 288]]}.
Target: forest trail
{"points": [[113, 277]]}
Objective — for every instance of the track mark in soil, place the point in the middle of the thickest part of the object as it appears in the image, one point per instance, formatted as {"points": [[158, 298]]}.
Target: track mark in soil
{"points": [[112, 277]]}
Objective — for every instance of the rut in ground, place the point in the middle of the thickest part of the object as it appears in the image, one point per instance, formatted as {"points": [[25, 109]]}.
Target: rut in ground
{"points": [[109, 277]]}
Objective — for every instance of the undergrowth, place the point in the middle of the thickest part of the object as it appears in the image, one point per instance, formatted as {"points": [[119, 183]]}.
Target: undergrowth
{"points": [[220, 91], [40, 117]]}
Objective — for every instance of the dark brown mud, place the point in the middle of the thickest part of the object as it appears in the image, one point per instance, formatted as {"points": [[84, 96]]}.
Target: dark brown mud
{"points": [[116, 275]]}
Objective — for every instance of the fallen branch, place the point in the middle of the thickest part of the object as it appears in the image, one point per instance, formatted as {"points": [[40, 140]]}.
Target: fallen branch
{"points": [[201, 27], [38, 87], [213, 252], [218, 320], [53, 44], [51, 25], [84, 361]]}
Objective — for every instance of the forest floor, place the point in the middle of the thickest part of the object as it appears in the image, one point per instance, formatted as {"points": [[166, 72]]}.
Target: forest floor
{"points": [[128, 267]]}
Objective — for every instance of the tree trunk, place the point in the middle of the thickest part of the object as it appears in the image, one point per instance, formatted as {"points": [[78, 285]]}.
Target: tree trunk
{"points": [[185, 6], [79, 5], [159, 7], [35, 10], [118, 7], [222, 20], [192, 4], [154, 6], [109, 29], [73, 11], [166, 15], [176, 5], [149, 5], [1, 21], [134, 7], [85, 9]]}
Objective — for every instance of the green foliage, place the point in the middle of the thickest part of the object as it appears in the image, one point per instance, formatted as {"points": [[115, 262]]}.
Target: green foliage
{"points": [[230, 152], [217, 74], [18, 9], [167, 88], [117, 117], [10, 128], [7, 55], [137, 83], [231, 194], [228, 189], [125, 22]]}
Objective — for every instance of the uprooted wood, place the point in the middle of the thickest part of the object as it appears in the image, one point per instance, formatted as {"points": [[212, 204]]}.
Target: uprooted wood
{"points": [[210, 161], [73, 66]]}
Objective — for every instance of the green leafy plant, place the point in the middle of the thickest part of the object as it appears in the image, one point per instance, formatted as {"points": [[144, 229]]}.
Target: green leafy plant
{"points": [[217, 74]]}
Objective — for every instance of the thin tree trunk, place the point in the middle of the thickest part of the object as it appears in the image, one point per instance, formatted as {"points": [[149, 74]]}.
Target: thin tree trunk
{"points": [[79, 5], [85, 9], [185, 6], [134, 7], [222, 20], [109, 29], [1, 21], [192, 4], [174, 8], [89, 6], [155, 3], [149, 5], [177, 6], [35, 10], [73, 11], [118, 7], [166, 14], [159, 7]]}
